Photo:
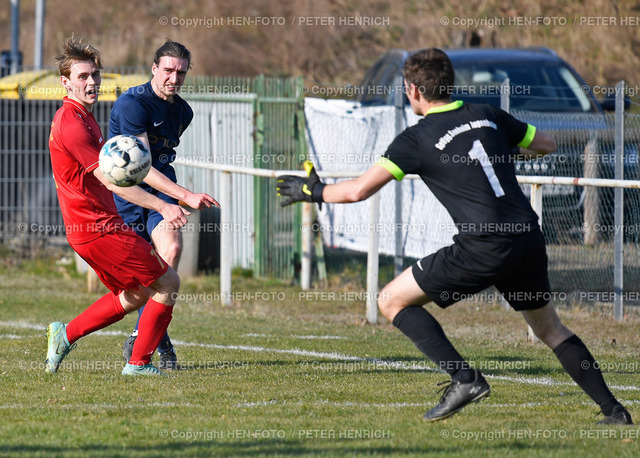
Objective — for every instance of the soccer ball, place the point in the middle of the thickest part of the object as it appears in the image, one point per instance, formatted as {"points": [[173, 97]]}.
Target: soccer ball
{"points": [[124, 160]]}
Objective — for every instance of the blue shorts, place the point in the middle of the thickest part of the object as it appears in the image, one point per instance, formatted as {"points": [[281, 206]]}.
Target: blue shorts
{"points": [[142, 220]]}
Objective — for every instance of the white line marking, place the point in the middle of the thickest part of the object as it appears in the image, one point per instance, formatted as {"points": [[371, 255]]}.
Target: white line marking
{"points": [[22, 325], [393, 405], [43, 328], [102, 406], [310, 337], [415, 365], [326, 402], [111, 333]]}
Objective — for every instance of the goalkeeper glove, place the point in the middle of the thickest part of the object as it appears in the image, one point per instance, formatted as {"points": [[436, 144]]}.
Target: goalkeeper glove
{"points": [[301, 189]]}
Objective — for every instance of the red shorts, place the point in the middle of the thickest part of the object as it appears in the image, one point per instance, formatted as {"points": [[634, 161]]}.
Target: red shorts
{"points": [[122, 260]]}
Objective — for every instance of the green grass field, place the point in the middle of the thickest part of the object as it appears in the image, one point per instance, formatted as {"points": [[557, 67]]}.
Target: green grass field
{"points": [[287, 372]]}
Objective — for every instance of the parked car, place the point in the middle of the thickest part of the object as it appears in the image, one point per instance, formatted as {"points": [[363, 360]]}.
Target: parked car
{"points": [[540, 79], [545, 91]]}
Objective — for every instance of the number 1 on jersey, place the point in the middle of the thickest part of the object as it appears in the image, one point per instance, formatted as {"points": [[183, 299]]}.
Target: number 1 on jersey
{"points": [[478, 152]]}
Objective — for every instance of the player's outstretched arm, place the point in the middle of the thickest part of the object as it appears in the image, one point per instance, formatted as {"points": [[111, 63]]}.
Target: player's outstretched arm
{"points": [[172, 214], [360, 188], [541, 145], [311, 189], [159, 181]]}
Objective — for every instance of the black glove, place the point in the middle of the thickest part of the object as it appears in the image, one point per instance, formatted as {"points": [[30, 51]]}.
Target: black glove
{"points": [[301, 189]]}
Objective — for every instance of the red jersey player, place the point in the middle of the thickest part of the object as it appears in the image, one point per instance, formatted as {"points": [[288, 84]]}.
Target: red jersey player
{"points": [[126, 263]]}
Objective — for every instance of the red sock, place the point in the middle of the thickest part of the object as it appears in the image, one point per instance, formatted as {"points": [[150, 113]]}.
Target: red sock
{"points": [[103, 312], [153, 323]]}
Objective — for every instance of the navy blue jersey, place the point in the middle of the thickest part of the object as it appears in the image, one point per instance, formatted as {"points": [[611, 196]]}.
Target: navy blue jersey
{"points": [[140, 110], [464, 153]]}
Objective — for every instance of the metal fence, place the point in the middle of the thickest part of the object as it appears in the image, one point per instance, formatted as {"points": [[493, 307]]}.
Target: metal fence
{"points": [[257, 122], [244, 122], [260, 123], [579, 221], [29, 211]]}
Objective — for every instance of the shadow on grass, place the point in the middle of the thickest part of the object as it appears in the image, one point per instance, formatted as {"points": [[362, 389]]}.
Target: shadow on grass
{"points": [[296, 447], [433, 441]]}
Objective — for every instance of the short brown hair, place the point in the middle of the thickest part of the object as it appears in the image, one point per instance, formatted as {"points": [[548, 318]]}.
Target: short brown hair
{"points": [[76, 51], [432, 72], [172, 48]]}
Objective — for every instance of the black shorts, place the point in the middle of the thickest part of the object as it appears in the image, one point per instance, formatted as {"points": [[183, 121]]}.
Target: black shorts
{"points": [[516, 264]]}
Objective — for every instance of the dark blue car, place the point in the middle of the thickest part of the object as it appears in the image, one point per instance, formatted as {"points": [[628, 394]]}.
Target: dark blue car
{"points": [[540, 80]]}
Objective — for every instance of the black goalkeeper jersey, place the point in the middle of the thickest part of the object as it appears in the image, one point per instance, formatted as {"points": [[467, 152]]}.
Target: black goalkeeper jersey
{"points": [[464, 153]]}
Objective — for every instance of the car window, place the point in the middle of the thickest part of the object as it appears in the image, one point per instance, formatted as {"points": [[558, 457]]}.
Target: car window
{"points": [[534, 87]]}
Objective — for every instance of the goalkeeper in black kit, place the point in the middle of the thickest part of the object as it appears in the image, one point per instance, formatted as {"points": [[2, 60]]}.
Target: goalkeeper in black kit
{"points": [[465, 155]]}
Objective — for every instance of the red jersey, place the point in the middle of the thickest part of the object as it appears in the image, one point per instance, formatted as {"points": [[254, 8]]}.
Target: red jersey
{"points": [[87, 205]]}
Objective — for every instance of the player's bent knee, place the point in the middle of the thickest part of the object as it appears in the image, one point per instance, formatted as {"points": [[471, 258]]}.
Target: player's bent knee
{"points": [[383, 302], [174, 251], [133, 299], [388, 307], [169, 283]]}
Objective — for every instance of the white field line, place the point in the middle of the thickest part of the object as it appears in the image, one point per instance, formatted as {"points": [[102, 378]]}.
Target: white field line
{"points": [[22, 325], [89, 407], [304, 337], [379, 363], [25, 325], [258, 404], [402, 404], [416, 365], [43, 328]]}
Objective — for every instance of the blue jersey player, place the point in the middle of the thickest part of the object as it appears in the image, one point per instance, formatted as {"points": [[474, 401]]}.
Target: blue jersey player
{"points": [[157, 115]]}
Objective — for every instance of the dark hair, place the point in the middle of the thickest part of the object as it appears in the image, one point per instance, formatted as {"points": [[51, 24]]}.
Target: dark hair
{"points": [[172, 49], [76, 51], [432, 72]]}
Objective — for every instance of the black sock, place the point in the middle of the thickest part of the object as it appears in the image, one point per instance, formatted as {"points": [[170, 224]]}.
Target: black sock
{"points": [[580, 365], [427, 334]]}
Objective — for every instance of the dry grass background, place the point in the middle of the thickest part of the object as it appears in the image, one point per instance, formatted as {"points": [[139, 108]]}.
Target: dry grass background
{"points": [[128, 32]]}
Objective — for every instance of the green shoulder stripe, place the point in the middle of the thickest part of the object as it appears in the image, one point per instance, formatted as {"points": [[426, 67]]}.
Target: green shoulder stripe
{"points": [[391, 167], [528, 137]]}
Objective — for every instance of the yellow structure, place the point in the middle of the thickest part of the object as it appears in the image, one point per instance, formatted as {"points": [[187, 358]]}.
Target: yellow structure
{"points": [[45, 84]]}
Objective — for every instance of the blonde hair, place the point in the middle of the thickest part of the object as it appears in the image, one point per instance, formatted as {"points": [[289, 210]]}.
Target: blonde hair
{"points": [[76, 51]]}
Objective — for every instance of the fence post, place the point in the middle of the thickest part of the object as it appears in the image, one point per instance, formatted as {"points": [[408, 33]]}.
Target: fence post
{"points": [[536, 203], [504, 95], [398, 261], [307, 245], [226, 239], [504, 105], [618, 244], [591, 194], [373, 259]]}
